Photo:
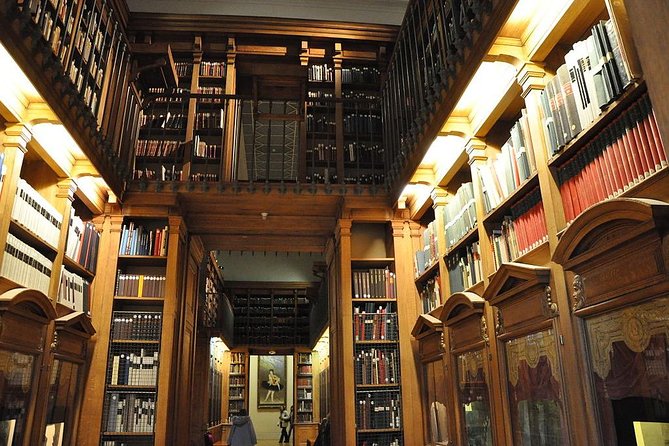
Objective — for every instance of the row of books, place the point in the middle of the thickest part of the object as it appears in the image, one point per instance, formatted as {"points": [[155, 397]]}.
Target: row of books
{"points": [[214, 69], [3, 170], [303, 382], [164, 95], [623, 154], [390, 441], [460, 214], [363, 178], [165, 172], [237, 393], [206, 150], [430, 294], [202, 176], [464, 268], [136, 326], [363, 153], [137, 240], [378, 410], [518, 236], [377, 366], [237, 381], [214, 91], [304, 394], [74, 292], [320, 123], [373, 307], [428, 255], [360, 75], [35, 213], [238, 357], [139, 285], [512, 166], [159, 148], [305, 406], [209, 120], [375, 283], [166, 120], [82, 242], [304, 358], [304, 368], [322, 152], [25, 265], [131, 412], [375, 327], [306, 417], [365, 95], [237, 368], [594, 74], [134, 369], [184, 69], [321, 73], [365, 123]]}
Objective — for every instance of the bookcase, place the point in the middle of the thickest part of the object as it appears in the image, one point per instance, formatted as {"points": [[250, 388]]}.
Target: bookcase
{"points": [[131, 401], [569, 131], [377, 356], [181, 135], [304, 386], [238, 382], [216, 368]]}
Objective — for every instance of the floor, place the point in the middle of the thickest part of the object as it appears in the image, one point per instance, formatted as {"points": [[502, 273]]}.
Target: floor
{"points": [[267, 443]]}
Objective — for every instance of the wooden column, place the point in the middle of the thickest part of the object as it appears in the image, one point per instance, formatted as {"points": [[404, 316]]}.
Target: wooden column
{"points": [[439, 201], [477, 151], [342, 386], [65, 196], [339, 112], [102, 301], [169, 347], [14, 145], [532, 79], [228, 155], [408, 310]]}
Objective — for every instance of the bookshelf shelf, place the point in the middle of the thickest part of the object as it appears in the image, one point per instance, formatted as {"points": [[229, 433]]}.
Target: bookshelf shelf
{"points": [[496, 214], [376, 386], [129, 388], [376, 341], [377, 431], [373, 299], [539, 255], [32, 239], [77, 268], [428, 273], [127, 434], [140, 300], [135, 341], [142, 260], [237, 383], [613, 110], [471, 236]]}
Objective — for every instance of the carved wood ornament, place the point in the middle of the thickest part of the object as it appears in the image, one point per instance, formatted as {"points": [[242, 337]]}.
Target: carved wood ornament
{"points": [[578, 295], [550, 306]]}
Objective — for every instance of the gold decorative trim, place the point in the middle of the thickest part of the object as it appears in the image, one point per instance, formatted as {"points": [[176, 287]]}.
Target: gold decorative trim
{"points": [[470, 362], [54, 342], [442, 342], [499, 323], [531, 349], [484, 330], [550, 306], [579, 292], [634, 326]]}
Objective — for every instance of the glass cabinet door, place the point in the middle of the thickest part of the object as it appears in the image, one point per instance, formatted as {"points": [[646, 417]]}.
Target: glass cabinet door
{"points": [[16, 383], [535, 392], [435, 400], [61, 402], [474, 399]]}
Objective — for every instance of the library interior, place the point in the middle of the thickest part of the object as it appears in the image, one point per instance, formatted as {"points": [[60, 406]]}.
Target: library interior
{"points": [[450, 225]]}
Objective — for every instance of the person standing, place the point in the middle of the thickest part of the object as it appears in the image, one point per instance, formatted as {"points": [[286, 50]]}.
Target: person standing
{"points": [[291, 421], [242, 432], [284, 422]]}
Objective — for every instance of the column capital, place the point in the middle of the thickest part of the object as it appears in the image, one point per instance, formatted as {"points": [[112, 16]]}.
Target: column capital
{"points": [[398, 228], [17, 135], [439, 197], [66, 188], [343, 229], [476, 150], [531, 77]]}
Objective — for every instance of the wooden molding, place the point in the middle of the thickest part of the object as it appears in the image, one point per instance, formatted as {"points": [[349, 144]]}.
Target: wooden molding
{"points": [[183, 23]]}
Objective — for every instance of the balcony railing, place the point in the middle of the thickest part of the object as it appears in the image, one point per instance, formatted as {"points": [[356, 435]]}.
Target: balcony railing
{"points": [[434, 42], [188, 137]]}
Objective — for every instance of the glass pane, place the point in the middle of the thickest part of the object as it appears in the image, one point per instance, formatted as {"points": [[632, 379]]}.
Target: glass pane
{"points": [[535, 392], [61, 402], [629, 360], [474, 398], [438, 406], [16, 376]]}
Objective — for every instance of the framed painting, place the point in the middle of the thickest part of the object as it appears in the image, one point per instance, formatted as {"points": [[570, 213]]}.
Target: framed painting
{"points": [[271, 381]]}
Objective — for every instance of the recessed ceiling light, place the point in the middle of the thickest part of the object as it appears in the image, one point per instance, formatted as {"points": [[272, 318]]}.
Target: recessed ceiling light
{"points": [[271, 352]]}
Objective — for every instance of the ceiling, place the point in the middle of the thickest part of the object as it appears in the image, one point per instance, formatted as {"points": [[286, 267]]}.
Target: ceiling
{"points": [[388, 12]]}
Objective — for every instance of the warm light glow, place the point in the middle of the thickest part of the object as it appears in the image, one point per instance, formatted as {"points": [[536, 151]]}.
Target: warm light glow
{"points": [[322, 347], [56, 139], [217, 348], [488, 86], [443, 152], [16, 91]]}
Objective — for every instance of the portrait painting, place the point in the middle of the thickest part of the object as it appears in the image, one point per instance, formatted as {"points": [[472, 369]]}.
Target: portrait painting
{"points": [[271, 381]]}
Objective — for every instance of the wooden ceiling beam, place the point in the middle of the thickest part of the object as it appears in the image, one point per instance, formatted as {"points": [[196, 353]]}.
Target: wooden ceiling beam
{"points": [[306, 243]]}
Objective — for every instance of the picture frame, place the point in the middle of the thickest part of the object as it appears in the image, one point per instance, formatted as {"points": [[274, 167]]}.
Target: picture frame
{"points": [[271, 381]]}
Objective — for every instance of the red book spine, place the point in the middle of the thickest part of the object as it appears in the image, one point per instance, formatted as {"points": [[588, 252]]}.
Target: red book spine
{"points": [[597, 175], [654, 131], [644, 149], [640, 117], [628, 150], [611, 164], [567, 205], [609, 187], [635, 144], [619, 151]]}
